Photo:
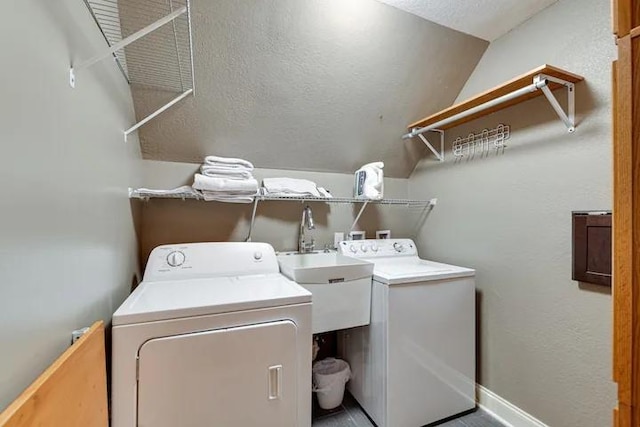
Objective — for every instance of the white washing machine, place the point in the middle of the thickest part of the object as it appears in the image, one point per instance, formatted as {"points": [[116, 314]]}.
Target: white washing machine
{"points": [[213, 336], [415, 363]]}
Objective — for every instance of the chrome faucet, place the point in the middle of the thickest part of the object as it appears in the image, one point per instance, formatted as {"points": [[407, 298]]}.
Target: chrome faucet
{"points": [[306, 222]]}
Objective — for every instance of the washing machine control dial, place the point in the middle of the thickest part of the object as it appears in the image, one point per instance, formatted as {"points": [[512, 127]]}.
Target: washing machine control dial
{"points": [[363, 248], [374, 247], [175, 259], [399, 247], [353, 248]]}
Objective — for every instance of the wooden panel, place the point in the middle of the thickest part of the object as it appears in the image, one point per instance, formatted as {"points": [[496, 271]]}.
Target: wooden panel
{"points": [[622, 215], [72, 392], [591, 248], [498, 91], [626, 16], [635, 226], [623, 416], [621, 17]]}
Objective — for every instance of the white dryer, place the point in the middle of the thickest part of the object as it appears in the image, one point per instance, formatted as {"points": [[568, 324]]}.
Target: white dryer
{"points": [[415, 363], [213, 336]]}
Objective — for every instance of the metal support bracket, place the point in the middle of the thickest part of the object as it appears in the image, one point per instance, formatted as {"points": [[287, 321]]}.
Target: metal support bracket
{"points": [[568, 118], [439, 155], [253, 217], [157, 113], [123, 43], [355, 222]]}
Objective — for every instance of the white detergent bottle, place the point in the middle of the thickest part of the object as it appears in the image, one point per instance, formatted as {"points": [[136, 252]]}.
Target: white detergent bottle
{"points": [[369, 182]]}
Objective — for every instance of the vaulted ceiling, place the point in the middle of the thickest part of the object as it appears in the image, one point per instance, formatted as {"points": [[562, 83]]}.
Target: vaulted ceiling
{"points": [[323, 85], [486, 19]]}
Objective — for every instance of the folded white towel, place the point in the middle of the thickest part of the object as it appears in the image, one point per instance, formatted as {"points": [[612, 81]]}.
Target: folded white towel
{"points": [[225, 185], [291, 186], [325, 194], [227, 198], [223, 172], [185, 190], [228, 162]]}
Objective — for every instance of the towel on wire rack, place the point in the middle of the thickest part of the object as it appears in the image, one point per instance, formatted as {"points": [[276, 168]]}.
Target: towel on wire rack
{"points": [[323, 194], [184, 191], [225, 185], [212, 196], [291, 187], [223, 172], [228, 163]]}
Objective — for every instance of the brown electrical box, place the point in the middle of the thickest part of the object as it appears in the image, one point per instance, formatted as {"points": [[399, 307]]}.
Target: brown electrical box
{"points": [[592, 247]]}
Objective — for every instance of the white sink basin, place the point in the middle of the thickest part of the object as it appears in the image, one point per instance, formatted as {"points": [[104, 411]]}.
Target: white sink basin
{"points": [[323, 268], [340, 288]]}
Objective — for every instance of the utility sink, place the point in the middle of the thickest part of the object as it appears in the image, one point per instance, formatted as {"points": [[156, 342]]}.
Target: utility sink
{"points": [[311, 268], [340, 288]]}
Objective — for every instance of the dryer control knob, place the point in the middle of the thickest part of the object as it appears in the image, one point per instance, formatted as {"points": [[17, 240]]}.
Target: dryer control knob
{"points": [[353, 248], [374, 247], [399, 247], [175, 259], [363, 248], [257, 255]]}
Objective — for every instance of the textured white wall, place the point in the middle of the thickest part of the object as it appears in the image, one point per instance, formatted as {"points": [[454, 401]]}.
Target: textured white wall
{"points": [[173, 221], [289, 84], [68, 248], [545, 340]]}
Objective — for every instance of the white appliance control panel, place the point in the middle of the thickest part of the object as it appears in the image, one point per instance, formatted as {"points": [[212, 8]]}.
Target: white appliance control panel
{"points": [[377, 248], [194, 260]]}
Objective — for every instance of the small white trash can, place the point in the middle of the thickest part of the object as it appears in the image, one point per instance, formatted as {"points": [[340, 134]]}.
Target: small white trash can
{"points": [[330, 376]]}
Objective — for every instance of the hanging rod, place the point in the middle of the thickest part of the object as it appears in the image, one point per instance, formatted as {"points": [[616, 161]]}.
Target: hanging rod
{"points": [[537, 82], [489, 104]]}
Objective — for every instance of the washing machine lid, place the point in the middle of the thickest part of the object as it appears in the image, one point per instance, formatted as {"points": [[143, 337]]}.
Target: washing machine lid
{"points": [[164, 300], [398, 270]]}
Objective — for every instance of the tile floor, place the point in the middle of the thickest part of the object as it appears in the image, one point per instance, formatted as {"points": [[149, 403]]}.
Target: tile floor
{"points": [[351, 415]]}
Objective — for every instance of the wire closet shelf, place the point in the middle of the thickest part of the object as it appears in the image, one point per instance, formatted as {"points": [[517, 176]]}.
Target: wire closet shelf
{"points": [[144, 195], [151, 43]]}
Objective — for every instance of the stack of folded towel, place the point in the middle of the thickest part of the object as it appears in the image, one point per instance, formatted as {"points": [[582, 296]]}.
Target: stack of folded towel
{"points": [[291, 187], [226, 179]]}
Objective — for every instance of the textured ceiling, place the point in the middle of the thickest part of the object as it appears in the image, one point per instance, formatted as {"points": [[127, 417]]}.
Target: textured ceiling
{"points": [[309, 85], [486, 19]]}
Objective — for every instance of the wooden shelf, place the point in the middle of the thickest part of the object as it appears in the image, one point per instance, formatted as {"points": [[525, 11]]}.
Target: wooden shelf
{"points": [[495, 93]]}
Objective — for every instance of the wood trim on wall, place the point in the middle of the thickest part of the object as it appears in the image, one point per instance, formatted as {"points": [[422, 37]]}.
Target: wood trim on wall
{"points": [[72, 392], [622, 214], [626, 16], [626, 213]]}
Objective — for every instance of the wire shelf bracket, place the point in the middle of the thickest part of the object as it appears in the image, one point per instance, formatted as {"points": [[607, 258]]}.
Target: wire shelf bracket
{"points": [[108, 18], [568, 118], [186, 193], [439, 154], [157, 113], [122, 44], [541, 82]]}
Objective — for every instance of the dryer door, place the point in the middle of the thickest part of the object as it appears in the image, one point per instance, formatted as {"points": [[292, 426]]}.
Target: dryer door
{"points": [[242, 376]]}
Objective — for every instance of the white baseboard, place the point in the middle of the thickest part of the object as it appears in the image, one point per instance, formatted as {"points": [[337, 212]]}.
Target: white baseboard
{"points": [[503, 411]]}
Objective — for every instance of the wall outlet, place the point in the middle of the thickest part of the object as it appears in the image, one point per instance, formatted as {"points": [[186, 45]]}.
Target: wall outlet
{"points": [[77, 334]]}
